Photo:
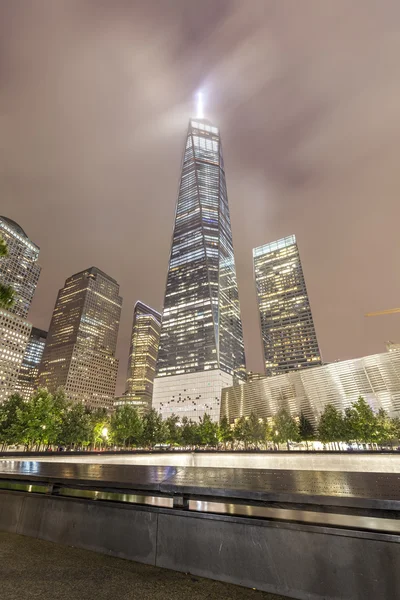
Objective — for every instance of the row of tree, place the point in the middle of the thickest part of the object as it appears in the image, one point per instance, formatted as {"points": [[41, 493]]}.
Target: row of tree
{"points": [[48, 420]]}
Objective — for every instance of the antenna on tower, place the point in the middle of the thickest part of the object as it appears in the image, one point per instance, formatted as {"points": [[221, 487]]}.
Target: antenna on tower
{"points": [[200, 109]]}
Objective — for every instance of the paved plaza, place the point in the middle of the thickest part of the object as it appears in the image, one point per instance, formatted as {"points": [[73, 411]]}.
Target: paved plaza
{"points": [[33, 569]]}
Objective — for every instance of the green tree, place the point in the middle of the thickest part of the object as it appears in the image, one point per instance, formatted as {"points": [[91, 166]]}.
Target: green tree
{"points": [[59, 401], [331, 426], [208, 431], [75, 427], [126, 426], [256, 428], [6, 292], [99, 423], [242, 431], [173, 431], [385, 428], [3, 247], [153, 429], [7, 296], [190, 432], [39, 420], [360, 422], [396, 428], [306, 429], [225, 432], [285, 428], [9, 431]]}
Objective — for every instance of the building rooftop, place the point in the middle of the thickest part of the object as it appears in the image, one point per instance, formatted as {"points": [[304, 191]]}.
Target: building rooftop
{"points": [[146, 308], [17, 229], [94, 270], [38, 332], [272, 246]]}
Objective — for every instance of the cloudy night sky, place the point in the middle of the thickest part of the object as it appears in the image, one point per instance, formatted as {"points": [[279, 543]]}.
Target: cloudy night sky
{"points": [[95, 97]]}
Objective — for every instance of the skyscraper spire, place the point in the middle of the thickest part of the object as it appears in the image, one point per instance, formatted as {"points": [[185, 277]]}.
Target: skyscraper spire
{"points": [[200, 107]]}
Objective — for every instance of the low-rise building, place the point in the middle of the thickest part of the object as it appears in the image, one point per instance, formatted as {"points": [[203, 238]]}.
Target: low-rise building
{"points": [[375, 377]]}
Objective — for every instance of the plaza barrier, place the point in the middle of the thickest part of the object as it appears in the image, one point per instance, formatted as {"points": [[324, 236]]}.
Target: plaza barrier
{"points": [[304, 534]]}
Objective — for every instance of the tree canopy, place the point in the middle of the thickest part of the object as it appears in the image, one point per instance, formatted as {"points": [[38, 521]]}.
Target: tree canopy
{"points": [[50, 420]]}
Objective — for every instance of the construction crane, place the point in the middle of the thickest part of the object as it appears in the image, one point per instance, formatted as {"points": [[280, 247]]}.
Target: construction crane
{"points": [[390, 346], [389, 311]]}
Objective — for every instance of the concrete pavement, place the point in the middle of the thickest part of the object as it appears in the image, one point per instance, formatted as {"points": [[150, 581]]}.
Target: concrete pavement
{"points": [[33, 569]]}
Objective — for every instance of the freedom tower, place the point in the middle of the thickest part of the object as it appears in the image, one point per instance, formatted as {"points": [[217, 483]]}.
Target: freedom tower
{"points": [[201, 342]]}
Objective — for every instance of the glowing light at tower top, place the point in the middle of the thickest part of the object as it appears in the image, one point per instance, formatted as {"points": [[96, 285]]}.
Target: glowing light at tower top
{"points": [[200, 108]]}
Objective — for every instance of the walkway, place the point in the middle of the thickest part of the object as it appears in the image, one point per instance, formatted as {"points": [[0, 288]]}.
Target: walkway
{"points": [[32, 569]]}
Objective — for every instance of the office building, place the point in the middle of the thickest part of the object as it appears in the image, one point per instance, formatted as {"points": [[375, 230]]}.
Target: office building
{"points": [[254, 376], [29, 371], [14, 336], [142, 358], [201, 342], [376, 378], [20, 268], [80, 349], [287, 327]]}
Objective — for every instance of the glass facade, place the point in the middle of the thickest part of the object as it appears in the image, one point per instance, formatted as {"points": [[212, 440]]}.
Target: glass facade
{"points": [[14, 336], [28, 374], [287, 327], [80, 350], [20, 268], [201, 325], [376, 378], [142, 358]]}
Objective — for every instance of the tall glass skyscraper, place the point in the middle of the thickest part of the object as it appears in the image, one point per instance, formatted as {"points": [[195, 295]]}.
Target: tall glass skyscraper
{"points": [[201, 341], [287, 327], [20, 269], [28, 374], [80, 349], [142, 358], [14, 336]]}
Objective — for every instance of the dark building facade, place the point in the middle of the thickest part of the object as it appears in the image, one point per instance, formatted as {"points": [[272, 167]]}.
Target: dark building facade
{"points": [[287, 327], [80, 350], [201, 340]]}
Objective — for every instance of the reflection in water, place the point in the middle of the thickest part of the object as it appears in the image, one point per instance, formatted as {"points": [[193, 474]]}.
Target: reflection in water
{"points": [[317, 462], [300, 516]]}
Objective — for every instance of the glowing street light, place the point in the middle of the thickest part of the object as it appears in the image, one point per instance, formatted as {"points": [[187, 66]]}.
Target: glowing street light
{"points": [[104, 432]]}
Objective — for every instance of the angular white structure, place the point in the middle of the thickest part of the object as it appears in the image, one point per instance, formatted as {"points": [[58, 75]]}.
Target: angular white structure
{"points": [[376, 378]]}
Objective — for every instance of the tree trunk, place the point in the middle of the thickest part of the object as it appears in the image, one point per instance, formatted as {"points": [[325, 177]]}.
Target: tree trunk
{"points": [[288, 446]]}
